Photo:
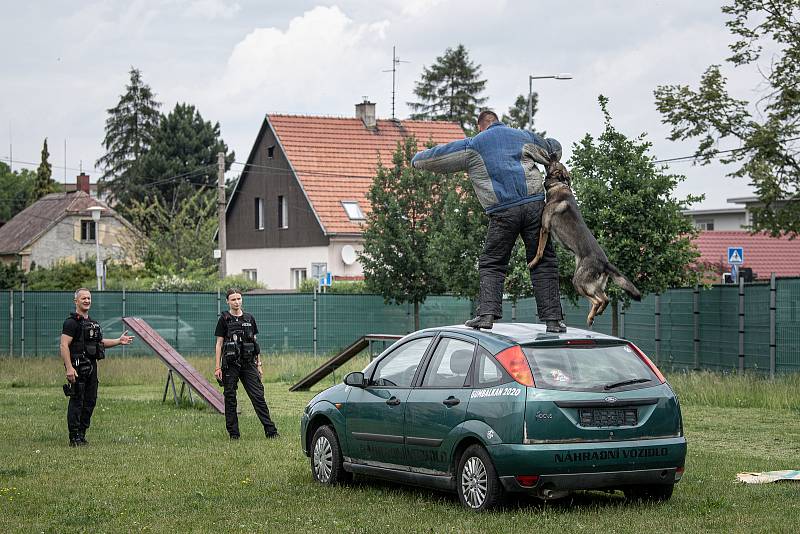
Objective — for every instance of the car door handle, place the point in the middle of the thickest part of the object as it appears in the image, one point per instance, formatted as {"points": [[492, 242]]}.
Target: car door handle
{"points": [[394, 401], [451, 401]]}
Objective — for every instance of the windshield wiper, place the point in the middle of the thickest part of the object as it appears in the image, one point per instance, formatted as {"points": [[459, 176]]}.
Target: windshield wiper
{"points": [[627, 383]]}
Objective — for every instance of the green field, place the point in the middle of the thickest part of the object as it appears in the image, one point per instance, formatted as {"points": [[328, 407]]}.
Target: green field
{"points": [[160, 468]]}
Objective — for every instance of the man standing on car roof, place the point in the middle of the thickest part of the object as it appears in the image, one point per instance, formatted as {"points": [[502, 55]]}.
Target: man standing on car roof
{"points": [[82, 345], [238, 357], [501, 162]]}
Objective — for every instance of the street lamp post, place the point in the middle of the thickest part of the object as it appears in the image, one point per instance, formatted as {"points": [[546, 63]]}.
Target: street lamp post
{"points": [[95, 211], [560, 76]]}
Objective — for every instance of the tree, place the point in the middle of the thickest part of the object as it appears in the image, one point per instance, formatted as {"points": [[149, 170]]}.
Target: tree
{"points": [[17, 188], [518, 113], [44, 183], [182, 158], [768, 152], [628, 204], [130, 127], [397, 235], [179, 242], [11, 276], [450, 89]]}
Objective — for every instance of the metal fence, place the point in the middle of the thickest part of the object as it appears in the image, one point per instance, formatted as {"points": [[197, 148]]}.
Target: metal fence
{"points": [[725, 327]]}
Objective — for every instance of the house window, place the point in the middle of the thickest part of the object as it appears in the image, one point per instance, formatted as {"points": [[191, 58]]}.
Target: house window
{"points": [[704, 224], [353, 210], [283, 215], [88, 231], [298, 275], [271, 152], [318, 270], [250, 274], [259, 210]]}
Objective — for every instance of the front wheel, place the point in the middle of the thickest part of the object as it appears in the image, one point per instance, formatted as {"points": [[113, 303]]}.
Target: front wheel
{"points": [[326, 457], [478, 486], [656, 493]]}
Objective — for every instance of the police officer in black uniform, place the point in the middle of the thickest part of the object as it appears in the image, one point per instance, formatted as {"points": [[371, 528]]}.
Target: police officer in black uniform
{"points": [[82, 345], [238, 357]]}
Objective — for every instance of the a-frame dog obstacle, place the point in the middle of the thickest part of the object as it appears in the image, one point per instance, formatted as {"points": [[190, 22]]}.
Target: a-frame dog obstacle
{"points": [[340, 359], [177, 365]]}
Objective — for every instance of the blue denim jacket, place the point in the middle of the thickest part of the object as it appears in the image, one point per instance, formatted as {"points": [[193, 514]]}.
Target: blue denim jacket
{"points": [[501, 162]]}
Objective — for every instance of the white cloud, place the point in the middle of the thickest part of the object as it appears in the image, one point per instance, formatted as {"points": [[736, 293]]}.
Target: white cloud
{"points": [[212, 9]]}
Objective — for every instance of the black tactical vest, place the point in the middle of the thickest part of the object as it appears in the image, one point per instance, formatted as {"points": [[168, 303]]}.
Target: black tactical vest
{"points": [[89, 341], [241, 330]]}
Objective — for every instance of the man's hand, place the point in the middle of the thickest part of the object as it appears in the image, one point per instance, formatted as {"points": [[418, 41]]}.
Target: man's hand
{"points": [[260, 370], [125, 339], [218, 373], [72, 375]]}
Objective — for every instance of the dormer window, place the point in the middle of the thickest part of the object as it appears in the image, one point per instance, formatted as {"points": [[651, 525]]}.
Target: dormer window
{"points": [[353, 210]]}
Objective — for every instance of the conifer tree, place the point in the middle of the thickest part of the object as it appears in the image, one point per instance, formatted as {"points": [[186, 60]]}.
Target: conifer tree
{"points": [[44, 182]]}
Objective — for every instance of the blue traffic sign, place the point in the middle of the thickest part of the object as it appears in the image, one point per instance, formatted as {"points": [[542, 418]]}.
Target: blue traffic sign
{"points": [[735, 255]]}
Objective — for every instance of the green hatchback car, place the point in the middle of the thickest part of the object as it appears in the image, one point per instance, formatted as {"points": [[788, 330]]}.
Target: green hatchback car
{"points": [[512, 409]]}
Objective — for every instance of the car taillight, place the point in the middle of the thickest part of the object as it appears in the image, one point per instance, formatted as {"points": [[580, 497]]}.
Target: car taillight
{"points": [[527, 480], [514, 361], [649, 363], [679, 473]]}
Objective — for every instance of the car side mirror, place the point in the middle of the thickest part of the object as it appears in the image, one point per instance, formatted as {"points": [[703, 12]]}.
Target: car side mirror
{"points": [[355, 379]]}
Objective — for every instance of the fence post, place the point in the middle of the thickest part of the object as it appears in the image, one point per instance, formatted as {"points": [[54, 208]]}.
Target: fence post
{"points": [[741, 324], [11, 324], [696, 316], [22, 325], [219, 305], [658, 329], [123, 314], [622, 322], [772, 301], [314, 337], [513, 311]]}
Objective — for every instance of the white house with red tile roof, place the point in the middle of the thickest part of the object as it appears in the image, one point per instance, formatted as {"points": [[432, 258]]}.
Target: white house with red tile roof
{"points": [[762, 253], [298, 208]]}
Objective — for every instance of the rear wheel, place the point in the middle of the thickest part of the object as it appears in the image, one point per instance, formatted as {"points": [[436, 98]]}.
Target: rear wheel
{"points": [[655, 493], [326, 457], [479, 488]]}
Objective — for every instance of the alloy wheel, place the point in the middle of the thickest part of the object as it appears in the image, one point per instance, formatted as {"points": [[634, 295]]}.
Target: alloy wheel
{"points": [[474, 482], [323, 459]]}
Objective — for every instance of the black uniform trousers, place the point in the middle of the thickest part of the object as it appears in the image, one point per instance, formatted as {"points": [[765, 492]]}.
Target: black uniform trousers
{"points": [[504, 227], [81, 405], [247, 372]]}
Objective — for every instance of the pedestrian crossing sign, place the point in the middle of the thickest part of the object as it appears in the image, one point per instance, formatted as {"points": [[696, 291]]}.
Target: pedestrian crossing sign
{"points": [[735, 255]]}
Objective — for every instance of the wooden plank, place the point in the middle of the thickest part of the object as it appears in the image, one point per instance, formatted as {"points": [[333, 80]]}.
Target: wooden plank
{"points": [[340, 359], [177, 363]]}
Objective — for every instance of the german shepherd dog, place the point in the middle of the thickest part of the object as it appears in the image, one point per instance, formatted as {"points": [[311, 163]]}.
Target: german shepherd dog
{"points": [[592, 268]]}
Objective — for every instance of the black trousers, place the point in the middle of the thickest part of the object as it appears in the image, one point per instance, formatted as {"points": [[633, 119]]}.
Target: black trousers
{"points": [[248, 374], [81, 406], [504, 227]]}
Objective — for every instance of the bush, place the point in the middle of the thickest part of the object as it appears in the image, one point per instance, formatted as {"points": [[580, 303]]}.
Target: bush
{"points": [[11, 276], [63, 276], [338, 286]]}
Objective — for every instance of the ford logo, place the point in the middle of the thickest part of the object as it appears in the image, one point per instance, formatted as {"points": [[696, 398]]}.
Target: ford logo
{"points": [[610, 400]]}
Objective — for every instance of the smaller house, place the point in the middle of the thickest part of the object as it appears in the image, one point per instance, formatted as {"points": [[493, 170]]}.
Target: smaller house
{"points": [[762, 254], [59, 227]]}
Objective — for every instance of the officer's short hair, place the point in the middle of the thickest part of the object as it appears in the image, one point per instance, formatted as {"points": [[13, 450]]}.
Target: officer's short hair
{"points": [[78, 291], [231, 291], [487, 117]]}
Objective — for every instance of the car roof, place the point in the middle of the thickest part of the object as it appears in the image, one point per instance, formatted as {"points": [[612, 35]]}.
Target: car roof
{"points": [[522, 333]]}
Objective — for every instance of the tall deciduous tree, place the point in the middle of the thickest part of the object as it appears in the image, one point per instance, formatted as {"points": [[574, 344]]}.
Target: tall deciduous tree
{"points": [[44, 182], [767, 145], [450, 90], [182, 157], [130, 127], [17, 188], [397, 235], [627, 201]]}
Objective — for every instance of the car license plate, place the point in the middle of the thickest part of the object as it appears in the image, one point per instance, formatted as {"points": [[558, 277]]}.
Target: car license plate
{"points": [[595, 417]]}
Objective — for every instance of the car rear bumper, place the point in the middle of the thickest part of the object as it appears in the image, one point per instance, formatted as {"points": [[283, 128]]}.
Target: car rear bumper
{"points": [[590, 481]]}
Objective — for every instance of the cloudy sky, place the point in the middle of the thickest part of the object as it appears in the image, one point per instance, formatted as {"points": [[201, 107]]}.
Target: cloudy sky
{"points": [[65, 63]]}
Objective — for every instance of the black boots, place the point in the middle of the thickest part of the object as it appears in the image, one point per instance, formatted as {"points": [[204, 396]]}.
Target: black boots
{"points": [[481, 321], [556, 327]]}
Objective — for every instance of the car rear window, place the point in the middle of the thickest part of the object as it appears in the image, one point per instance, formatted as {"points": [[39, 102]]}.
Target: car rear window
{"points": [[588, 368]]}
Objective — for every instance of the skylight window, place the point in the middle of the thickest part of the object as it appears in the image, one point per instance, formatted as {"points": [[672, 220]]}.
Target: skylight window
{"points": [[353, 210]]}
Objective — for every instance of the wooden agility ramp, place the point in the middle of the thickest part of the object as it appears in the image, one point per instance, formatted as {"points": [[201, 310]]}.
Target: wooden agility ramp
{"points": [[178, 365], [340, 359]]}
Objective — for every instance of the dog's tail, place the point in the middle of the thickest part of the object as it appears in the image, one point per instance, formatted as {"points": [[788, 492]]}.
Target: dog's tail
{"points": [[623, 282]]}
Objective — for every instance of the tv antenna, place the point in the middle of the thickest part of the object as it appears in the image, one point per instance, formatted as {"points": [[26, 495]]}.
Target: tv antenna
{"points": [[395, 61]]}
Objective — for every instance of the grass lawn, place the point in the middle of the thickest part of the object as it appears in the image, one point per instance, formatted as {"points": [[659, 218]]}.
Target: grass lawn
{"points": [[158, 467]]}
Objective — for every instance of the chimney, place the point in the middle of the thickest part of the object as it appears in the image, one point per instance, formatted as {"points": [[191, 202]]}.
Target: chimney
{"points": [[366, 112], [83, 183]]}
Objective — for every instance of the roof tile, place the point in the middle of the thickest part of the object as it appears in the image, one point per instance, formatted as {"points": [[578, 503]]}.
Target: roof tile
{"points": [[762, 253]]}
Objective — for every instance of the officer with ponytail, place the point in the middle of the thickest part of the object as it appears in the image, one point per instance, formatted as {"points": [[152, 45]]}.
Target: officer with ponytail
{"points": [[238, 358]]}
